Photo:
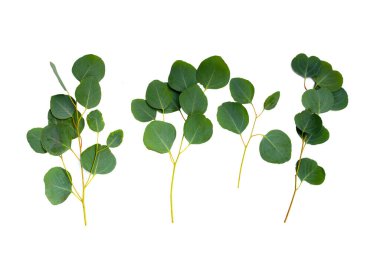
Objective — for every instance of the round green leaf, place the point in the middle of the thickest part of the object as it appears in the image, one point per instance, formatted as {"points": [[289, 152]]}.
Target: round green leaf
{"points": [[340, 100], [89, 65], [318, 101], [69, 124], [310, 172], [271, 101], [57, 185], [98, 159], [317, 138], [276, 147], [213, 73], [158, 95], [193, 100], [34, 138], [115, 138], [95, 121], [328, 78], [55, 139], [308, 122], [174, 104], [233, 117], [242, 90], [142, 111], [88, 93], [159, 136], [197, 129], [306, 66], [62, 106], [182, 75]]}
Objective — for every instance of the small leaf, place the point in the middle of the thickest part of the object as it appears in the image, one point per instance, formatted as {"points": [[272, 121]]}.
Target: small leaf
{"points": [[70, 123], [158, 95], [233, 117], [272, 101], [142, 111], [98, 159], [55, 139], [34, 138], [57, 185], [95, 121], [89, 66], [62, 106], [306, 66], [310, 172], [242, 90], [317, 138], [88, 93], [193, 100], [174, 104], [159, 136], [318, 101], [276, 147], [182, 75], [57, 75], [213, 73], [115, 138], [328, 78], [340, 100], [308, 122], [197, 129]]}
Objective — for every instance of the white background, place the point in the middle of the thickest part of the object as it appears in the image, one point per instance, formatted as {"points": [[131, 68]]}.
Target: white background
{"points": [[128, 210]]}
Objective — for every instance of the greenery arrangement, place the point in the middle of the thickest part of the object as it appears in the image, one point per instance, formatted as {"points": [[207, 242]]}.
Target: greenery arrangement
{"points": [[182, 92], [275, 146], [326, 95], [66, 123]]}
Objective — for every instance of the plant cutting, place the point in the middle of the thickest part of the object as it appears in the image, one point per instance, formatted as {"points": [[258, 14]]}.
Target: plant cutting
{"points": [[65, 124], [326, 95], [182, 93], [275, 146]]}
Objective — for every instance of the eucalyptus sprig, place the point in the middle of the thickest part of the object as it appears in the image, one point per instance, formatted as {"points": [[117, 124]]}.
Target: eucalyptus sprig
{"points": [[275, 146], [326, 95], [66, 123], [182, 92]]}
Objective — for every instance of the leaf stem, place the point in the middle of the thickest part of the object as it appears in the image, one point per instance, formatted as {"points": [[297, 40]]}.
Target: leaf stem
{"points": [[182, 115], [75, 192], [296, 186], [304, 83]]}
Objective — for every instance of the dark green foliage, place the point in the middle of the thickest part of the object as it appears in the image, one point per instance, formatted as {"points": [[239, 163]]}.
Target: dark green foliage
{"points": [[242, 90], [182, 75], [213, 73], [142, 111], [98, 159], [57, 185], [271, 101], [159, 136], [193, 101], [233, 116], [276, 147], [95, 121]]}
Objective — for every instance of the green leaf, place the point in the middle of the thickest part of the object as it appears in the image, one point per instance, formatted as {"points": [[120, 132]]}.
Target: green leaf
{"points": [[318, 101], [271, 101], [308, 122], [62, 106], [158, 95], [55, 139], [193, 100], [95, 121], [57, 75], [197, 129], [159, 136], [57, 185], [317, 138], [89, 66], [69, 124], [115, 138], [142, 111], [174, 104], [310, 172], [306, 66], [340, 100], [182, 75], [276, 147], [34, 138], [88, 93], [213, 73], [98, 159], [242, 90], [233, 117], [328, 78]]}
